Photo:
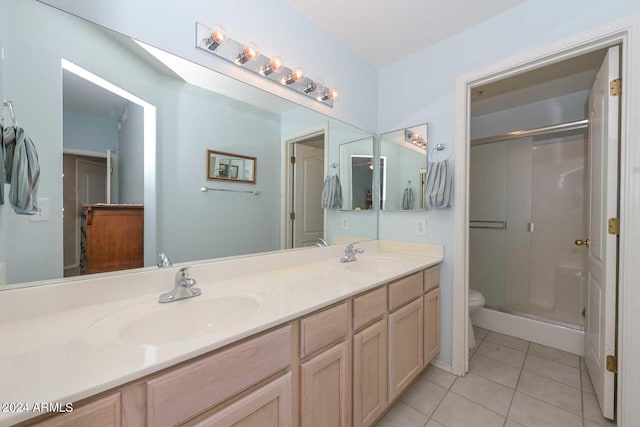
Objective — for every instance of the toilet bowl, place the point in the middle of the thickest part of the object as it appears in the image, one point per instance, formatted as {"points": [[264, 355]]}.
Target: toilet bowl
{"points": [[476, 302]]}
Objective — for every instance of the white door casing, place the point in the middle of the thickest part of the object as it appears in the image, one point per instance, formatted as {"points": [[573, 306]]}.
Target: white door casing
{"points": [[602, 204], [308, 225]]}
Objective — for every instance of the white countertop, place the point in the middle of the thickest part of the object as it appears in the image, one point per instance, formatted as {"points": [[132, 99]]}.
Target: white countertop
{"points": [[67, 341]]}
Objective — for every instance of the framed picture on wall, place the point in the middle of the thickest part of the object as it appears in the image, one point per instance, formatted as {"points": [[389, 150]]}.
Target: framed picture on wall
{"points": [[227, 166]]}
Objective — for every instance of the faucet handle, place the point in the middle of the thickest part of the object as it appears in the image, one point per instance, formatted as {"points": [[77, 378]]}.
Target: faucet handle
{"points": [[359, 250], [183, 273], [163, 260]]}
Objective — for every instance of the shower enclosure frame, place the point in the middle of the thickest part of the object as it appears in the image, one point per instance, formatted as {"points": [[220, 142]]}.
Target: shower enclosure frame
{"points": [[626, 33]]}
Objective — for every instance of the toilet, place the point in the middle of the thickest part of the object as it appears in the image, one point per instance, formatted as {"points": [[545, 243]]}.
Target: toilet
{"points": [[476, 302]]}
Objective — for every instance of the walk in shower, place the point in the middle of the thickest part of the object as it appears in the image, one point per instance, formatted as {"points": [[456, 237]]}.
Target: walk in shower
{"points": [[527, 208]]}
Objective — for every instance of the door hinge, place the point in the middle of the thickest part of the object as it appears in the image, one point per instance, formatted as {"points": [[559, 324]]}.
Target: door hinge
{"points": [[614, 226], [612, 364], [292, 216], [616, 87], [293, 160]]}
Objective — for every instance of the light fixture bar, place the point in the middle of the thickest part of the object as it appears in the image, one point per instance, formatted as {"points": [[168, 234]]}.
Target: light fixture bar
{"points": [[241, 55]]}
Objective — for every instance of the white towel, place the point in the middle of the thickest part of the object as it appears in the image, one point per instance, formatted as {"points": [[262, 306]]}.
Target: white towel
{"points": [[408, 199], [332, 193], [439, 185]]}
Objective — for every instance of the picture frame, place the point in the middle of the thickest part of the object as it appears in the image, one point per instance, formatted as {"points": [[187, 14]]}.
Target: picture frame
{"points": [[228, 167]]}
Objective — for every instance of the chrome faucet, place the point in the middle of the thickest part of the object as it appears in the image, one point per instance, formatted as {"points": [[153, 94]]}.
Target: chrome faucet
{"points": [[322, 243], [350, 253], [183, 287], [164, 261]]}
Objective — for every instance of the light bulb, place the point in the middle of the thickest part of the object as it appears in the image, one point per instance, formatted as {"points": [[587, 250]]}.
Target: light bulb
{"points": [[328, 94], [218, 36], [295, 75], [275, 65], [249, 52]]}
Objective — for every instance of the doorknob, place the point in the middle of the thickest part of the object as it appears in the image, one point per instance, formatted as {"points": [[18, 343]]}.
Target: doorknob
{"points": [[586, 243]]}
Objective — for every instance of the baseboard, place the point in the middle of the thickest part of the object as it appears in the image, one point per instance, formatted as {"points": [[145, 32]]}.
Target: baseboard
{"points": [[442, 365]]}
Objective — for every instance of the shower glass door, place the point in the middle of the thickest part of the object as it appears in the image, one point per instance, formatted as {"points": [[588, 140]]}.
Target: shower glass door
{"points": [[526, 209]]}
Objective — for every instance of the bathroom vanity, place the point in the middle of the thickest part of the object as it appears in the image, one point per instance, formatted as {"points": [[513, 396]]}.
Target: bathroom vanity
{"points": [[284, 339]]}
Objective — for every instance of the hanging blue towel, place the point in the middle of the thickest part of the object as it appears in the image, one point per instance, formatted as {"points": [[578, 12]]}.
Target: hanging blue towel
{"points": [[408, 199], [22, 171], [2, 156], [332, 193], [439, 185]]}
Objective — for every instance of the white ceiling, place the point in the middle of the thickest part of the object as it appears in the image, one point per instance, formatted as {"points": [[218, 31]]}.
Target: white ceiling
{"points": [[384, 31], [555, 80], [83, 96]]}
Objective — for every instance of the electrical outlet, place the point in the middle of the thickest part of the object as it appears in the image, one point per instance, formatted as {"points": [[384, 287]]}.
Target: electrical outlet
{"points": [[43, 211], [421, 227], [345, 223]]}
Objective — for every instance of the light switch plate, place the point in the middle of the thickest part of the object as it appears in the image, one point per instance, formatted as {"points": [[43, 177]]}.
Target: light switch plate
{"points": [[345, 223], [43, 211], [421, 227]]}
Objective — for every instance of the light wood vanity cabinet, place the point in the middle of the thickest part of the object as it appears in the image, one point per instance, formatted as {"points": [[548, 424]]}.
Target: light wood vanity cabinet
{"points": [[268, 406], [338, 367], [405, 346]]}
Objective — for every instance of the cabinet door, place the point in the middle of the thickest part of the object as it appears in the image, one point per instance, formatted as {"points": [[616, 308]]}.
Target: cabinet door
{"points": [[269, 406], [326, 389], [405, 346], [431, 325], [370, 373], [101, 413]]}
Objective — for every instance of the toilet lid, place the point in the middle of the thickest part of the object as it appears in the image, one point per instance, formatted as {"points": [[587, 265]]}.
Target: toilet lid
{"points": [[475, 295]]}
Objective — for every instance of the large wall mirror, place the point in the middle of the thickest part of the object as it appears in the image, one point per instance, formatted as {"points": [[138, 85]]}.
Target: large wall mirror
{"points": [[356, 174], [119, 122], [403, 162]]}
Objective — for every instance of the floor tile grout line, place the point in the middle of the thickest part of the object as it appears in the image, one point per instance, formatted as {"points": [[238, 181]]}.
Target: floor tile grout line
{"points": [[554, 405], [489, 379], [479, 404], [513, 396], [552, 379]]}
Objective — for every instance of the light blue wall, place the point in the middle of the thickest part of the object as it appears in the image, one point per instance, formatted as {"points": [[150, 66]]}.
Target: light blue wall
{"points": [[86, 132], [402, 101], [276, 26]]}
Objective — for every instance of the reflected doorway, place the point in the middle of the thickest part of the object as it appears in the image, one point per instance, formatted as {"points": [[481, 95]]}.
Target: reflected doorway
{"points": [[306, 171]]}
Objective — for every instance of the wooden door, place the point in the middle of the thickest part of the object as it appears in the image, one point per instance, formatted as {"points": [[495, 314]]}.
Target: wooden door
{"points": [[602, 196], [308, 225], [326, 389], [431, 325], [370, 373], [269, 406], [405, 346]]}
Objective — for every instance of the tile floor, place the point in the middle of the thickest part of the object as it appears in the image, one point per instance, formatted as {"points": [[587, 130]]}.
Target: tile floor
{"points": [[511, 383]]}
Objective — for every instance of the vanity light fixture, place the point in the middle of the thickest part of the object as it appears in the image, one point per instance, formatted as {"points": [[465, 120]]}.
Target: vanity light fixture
{"points": [[328, 94], [216, 41], [275, 65], [217, 37], [415, 139], [295, 75], [248, 53]]}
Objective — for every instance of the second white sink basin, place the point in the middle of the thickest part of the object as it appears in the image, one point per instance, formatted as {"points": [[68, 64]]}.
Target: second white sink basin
{"points": [[154, 323], [373, 264]]}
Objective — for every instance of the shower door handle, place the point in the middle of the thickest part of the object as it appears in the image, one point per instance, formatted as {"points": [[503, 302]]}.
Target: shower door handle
{"points": [[530, 227], [579, 242]]}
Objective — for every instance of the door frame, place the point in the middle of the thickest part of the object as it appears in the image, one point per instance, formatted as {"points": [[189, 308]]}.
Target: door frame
{"points": [[626, 33], [287, 178]]}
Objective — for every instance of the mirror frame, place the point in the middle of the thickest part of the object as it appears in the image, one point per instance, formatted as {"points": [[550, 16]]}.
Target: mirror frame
{"points": [[239, 156]]}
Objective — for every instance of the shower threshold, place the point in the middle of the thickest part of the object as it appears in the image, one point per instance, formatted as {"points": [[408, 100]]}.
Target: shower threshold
{"points": [[538, 318]]}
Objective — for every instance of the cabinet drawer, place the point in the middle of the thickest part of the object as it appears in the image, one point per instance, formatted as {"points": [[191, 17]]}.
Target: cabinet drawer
{"points": [[101, 413], [431, 278], [185, 392], [369, 307], [405, 290], [324, 328], [270, 405]]}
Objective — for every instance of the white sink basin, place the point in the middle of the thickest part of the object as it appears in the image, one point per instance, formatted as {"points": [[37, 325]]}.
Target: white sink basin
{"points": [[373, 264], [154, 323]]}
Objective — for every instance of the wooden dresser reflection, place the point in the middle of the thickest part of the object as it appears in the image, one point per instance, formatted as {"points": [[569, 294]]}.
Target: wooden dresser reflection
{"points": [[112, 238]]}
